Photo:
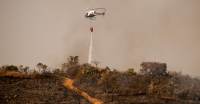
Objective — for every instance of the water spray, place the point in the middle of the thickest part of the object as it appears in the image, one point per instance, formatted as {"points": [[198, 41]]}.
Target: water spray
{"points": [[90, 46]]}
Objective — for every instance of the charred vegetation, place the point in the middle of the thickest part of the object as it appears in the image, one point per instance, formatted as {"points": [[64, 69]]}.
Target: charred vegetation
{"points": [[153, 84]]}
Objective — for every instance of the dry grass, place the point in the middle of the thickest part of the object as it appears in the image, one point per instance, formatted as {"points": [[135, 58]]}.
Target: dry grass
{"points": [[14, 74]]}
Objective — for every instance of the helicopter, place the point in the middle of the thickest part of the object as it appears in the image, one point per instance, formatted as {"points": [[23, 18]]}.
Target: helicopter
{"points": [[92, 13]]}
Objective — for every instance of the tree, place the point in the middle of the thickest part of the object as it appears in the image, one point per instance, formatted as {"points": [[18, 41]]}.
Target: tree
{"points": [[154, 68], [23, 69], [73, 60], [42, 67]]}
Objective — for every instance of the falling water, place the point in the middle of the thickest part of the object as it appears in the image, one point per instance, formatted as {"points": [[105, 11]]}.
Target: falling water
{"points": [[90, 49]]}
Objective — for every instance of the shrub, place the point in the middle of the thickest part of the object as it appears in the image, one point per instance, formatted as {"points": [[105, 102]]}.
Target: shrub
{"points": [[131, 71], [10, 68]]}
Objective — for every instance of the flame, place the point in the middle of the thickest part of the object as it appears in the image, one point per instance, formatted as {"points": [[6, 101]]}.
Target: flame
{"points": [[68, 83]]}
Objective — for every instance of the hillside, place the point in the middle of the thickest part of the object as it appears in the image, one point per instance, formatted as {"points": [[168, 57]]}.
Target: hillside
{"points": [[152, 85]]}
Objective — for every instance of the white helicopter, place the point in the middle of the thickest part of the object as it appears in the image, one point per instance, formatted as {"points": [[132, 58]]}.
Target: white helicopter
{"points": [[92, 13]]}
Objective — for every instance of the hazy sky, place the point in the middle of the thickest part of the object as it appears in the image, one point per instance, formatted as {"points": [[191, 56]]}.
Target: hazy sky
{"points": [[132, 31]]}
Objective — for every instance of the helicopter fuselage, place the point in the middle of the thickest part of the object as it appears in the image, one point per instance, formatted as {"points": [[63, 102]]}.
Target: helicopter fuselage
{"points": [[90, 14]]}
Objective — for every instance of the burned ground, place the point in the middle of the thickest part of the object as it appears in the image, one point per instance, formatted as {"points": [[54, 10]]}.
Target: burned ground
{"points": [[110, 86]]}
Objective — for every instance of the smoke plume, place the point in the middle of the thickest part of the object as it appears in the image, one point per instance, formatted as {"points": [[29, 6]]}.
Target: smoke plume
{"points": [[131, 32]]}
